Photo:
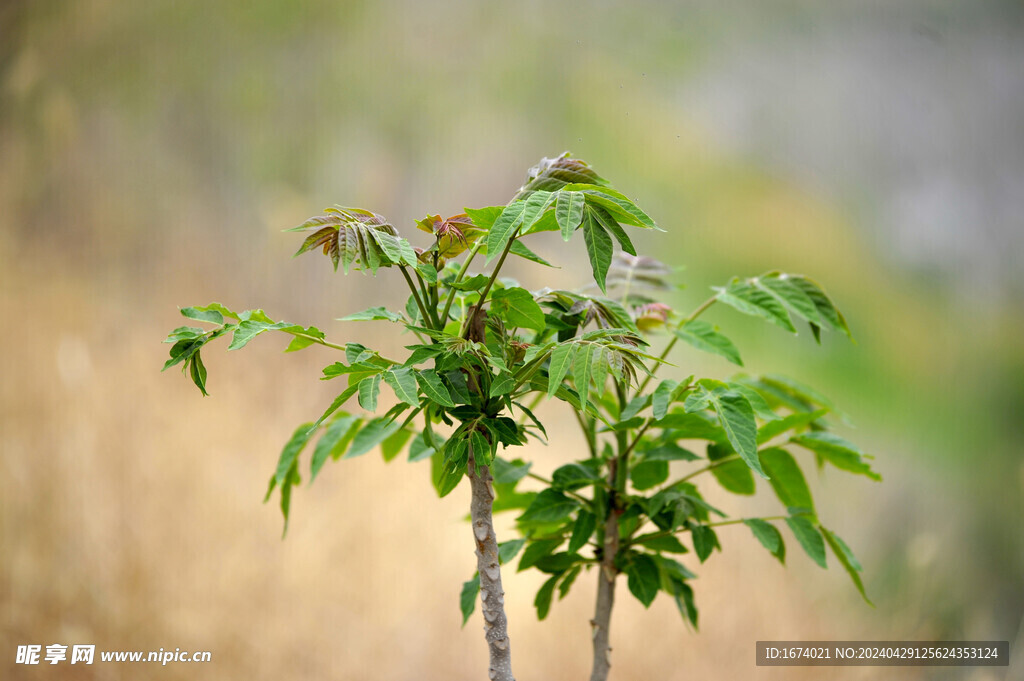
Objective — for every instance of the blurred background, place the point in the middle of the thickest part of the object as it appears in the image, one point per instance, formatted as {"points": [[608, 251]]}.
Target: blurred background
{"points": [[151, 152]]}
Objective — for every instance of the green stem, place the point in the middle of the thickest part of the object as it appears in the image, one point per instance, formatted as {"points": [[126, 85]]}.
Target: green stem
{"points": [[666, 533], [328, 344], [487, 286], [737, 521], [587, 434], [458, 278], [318, 340], [624, 456], [433, 289], [415, 294], [675, 339], [720, 462], [540, 478]]}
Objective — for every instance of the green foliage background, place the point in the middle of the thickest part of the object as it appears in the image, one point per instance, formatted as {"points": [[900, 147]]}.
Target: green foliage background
{"points": [[151, 152]]}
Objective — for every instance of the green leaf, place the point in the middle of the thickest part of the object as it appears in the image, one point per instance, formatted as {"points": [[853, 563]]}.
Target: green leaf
{"points": [[557, 563], [777, 427], [198, 372], [847, 560], [504, 228], [582, 530], [373, 314], [396, 249], [338, 401], [644, 579], [213, 307], [576, 475], [308, 336], [692, 426], [669, 451], [619, 205], [569, 212], [420, 448], [502, 385], [549, 506], [706, 337], [786, 478], [567, 581], [484, 218], [561, 360], [661, 542], [290, 480], [291, 451], [672, 568], [704, 541], [560, 171], [610, 224], [536, 550], [543, 600], [837, 451], [769, 537], [335, 440], [599, 247], [507, 550], [582, 367], [249, 329], [734, 475], [520, 249], [802, 393], [184, 333], [648, 474], [755, 301], [369, 389], [518, 308], [809, 537], [427, 271], [509, 472], [203, 314], [482, 451], [447, 476], [662, 397], [421, 353], [467, 599], [783, 288], [433, 388], [371, 435], [393, 445], [403, 382], [536, 204], [673, 582], [737, 419], [827, 311], [635, 406], [474, 283]]}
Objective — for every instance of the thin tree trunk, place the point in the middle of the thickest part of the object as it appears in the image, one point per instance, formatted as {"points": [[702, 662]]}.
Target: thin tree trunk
{"points": [[492, 596], [601, 624]]}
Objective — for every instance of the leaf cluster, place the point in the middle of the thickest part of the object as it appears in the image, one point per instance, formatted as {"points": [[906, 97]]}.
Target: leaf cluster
{"points": [[485, 351]]}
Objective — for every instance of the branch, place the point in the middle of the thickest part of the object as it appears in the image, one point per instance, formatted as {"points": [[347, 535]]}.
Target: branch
{"points": [[458, 278], [415, 294], [606, 575], [492, 596], [721, 462], [488, 285], [675, 339]]}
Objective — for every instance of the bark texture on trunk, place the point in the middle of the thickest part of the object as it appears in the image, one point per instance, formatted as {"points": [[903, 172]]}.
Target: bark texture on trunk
{"points": [[492, 596], [601, 623]]}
